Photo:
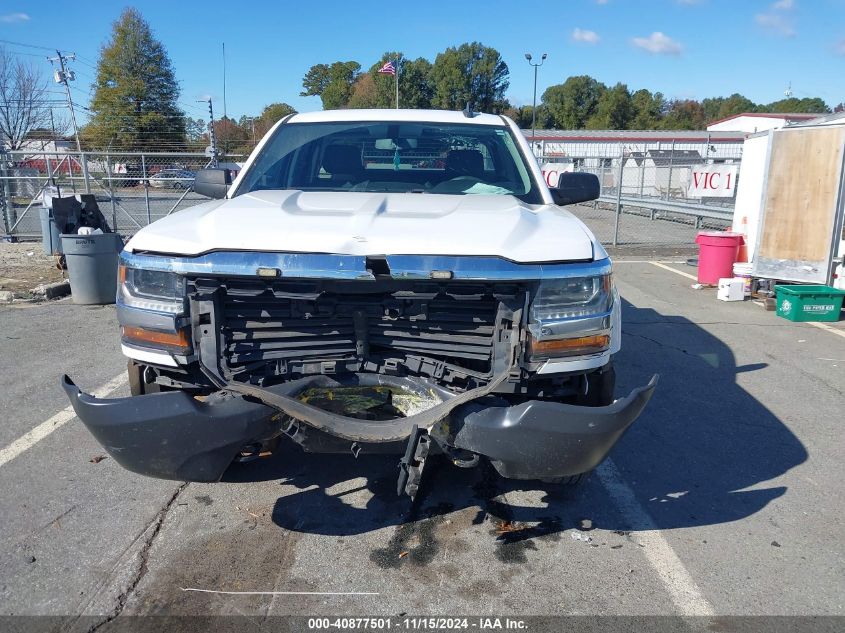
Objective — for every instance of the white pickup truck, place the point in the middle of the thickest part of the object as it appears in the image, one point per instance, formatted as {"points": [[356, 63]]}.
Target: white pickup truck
{"points": [[373, 280]]}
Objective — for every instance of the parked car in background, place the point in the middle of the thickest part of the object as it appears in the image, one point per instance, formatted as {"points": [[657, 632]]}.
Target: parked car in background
{"points": [[173, 179]]}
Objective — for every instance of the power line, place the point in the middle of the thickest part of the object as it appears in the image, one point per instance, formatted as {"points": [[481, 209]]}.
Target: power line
{"points": [[43, 48]]}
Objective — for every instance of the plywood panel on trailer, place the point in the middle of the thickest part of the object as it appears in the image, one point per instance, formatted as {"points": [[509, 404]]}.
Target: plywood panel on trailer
{"points": [[801, 194]]}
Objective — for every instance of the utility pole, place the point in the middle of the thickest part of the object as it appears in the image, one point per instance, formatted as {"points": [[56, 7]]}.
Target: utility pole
{"points": [[224, 80], [63, 76], [212, 137], [534, 107]]}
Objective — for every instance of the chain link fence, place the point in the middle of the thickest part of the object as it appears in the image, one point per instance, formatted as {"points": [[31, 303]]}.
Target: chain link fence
{"points": [[655, 197], [131, 189]]}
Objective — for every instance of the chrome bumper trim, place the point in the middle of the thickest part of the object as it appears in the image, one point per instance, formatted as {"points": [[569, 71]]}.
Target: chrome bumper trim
{"points": [[354, 267]]}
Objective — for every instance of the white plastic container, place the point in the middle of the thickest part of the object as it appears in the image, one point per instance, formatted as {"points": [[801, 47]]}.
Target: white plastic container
{"points": [[742, 270], [730, 289]]}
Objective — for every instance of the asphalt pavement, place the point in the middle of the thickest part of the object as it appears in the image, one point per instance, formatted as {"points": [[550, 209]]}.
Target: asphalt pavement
{"points": [[725, 497]]}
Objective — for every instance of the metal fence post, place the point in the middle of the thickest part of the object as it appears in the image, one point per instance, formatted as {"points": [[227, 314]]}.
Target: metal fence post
{"points": [[146, 189], [642, 173], [8, 204], [111, 195], [618, 198], [671, 160], [85, 174], [70, 174]]}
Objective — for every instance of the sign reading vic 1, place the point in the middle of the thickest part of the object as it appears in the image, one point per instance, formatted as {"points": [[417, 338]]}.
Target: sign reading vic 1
{"points": [[712, 181]]}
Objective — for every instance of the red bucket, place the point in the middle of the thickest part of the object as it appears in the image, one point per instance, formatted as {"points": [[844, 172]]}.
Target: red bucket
{"points": [[716, 255]]}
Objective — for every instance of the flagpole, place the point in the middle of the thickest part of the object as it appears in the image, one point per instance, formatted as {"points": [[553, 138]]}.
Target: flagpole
{"points": [[397, 84]]}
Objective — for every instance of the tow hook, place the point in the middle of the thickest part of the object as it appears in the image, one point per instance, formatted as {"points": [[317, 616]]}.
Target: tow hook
{"points": [[411, 465]]}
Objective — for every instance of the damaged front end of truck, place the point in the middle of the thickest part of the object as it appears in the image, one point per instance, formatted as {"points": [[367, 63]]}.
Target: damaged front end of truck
{"points": [[474, 357]]}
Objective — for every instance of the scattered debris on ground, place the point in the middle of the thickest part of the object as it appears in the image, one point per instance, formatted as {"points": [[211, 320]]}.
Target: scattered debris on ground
{"points": [[98, 458], [507, 527], [23, 267]]}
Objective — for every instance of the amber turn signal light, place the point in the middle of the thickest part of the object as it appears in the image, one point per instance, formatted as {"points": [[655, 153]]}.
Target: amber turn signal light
{"points": [[173, 341], [570, 346]]}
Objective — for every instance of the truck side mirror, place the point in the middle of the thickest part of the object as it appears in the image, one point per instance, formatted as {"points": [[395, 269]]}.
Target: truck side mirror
{"points": [[576, 186], [213, 183]]}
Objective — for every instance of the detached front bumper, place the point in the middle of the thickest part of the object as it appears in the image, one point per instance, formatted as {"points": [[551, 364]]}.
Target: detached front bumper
{"points": [[546, 440], [173, 435]]}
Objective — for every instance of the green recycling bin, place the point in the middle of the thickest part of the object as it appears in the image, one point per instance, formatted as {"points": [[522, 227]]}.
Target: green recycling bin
{"points": [[92, 266], [809, 303]]}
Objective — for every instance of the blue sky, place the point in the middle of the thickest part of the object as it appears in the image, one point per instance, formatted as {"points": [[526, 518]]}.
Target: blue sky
{"points": [[683, 48]]}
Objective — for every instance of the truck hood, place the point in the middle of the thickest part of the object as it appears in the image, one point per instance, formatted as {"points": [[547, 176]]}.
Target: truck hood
{"points": [[358, 223]]}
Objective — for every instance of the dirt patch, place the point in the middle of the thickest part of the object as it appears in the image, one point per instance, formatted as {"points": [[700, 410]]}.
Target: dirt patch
{"points": [[23, 266]]}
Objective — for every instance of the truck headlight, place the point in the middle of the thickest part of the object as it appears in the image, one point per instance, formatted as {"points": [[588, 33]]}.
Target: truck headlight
{"points": [[572, 298], [152, 290]]}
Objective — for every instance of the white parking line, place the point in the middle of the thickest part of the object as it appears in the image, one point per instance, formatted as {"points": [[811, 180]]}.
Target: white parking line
{"points": [[678, 582], [674, 270], [827, 328], [28, 440]]}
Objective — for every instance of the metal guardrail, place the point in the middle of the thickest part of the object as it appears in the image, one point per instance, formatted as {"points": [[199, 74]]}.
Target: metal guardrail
{"points": [[681, 208]]}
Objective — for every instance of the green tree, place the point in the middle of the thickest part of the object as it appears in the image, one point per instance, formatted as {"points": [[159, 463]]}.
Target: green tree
{"points": [[574, 101], [196, 132], [614, 110], [723, 107], [810, 105], [135, 95], [415, 88], [383, 93], [365, 94], [684, 114], [269, 116], [230, 135], [647, 109], [522, 117], [332, 83], [470, 73]]}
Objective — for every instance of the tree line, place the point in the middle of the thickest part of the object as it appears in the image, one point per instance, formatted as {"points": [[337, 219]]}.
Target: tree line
{"points": [[583, 102], [476, 74], [134, 104]]}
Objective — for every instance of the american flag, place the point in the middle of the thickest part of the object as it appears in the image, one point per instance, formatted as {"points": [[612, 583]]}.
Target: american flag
{"points": [[388, 69]]}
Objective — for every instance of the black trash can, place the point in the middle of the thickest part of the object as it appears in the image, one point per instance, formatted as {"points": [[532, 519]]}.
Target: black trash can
{"points": [[92, 266]]}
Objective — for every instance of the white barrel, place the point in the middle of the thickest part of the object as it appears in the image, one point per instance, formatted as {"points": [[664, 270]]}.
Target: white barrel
{"points": [[742, 270]]}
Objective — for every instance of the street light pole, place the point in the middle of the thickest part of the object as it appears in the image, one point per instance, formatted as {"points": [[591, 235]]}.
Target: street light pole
{"points": [[534, 107]]}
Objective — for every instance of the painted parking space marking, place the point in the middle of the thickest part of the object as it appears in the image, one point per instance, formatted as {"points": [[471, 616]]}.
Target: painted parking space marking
{"points": [[685, 594], [674, 270], [30, 439], [827, 328]]}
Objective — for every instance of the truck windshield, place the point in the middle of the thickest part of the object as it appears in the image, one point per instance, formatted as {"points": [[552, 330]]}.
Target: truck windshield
{"points": [[390, 157]]}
